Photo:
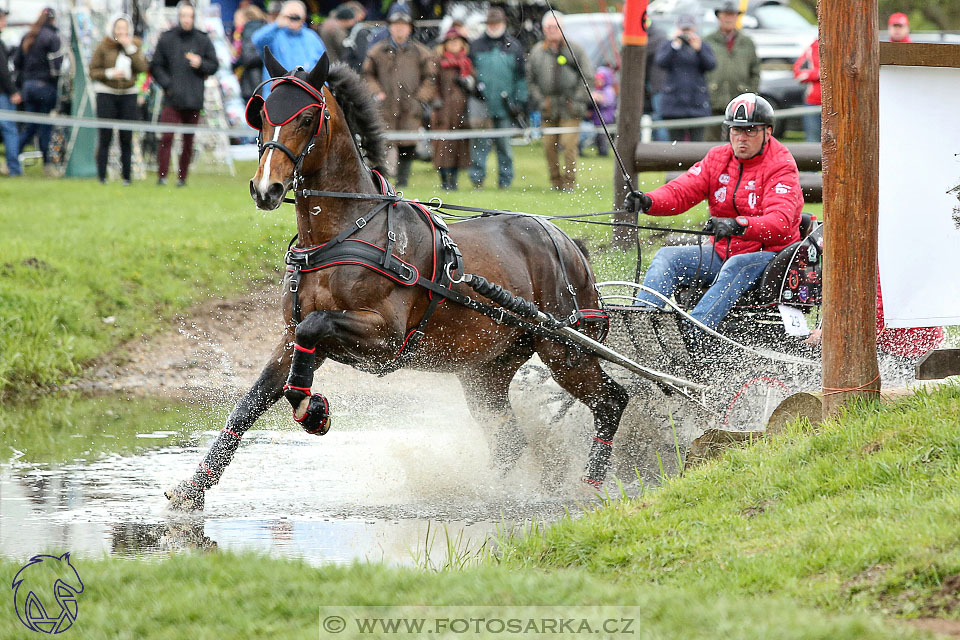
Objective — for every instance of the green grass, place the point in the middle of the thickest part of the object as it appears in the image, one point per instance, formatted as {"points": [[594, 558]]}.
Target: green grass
{"points": [[226, 595], [860, 515], [84, 267]]}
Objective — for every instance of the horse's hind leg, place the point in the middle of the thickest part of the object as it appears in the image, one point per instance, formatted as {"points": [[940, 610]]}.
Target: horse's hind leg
{"points": [[487, 391], [582, 377], [188, 494]]}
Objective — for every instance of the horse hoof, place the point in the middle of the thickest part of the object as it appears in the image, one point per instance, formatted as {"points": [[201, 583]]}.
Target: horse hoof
{"points": [[186, 496], [316, 419]]}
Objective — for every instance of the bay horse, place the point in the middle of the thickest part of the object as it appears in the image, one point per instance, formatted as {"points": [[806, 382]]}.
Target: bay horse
{"points": [[319, 128]]}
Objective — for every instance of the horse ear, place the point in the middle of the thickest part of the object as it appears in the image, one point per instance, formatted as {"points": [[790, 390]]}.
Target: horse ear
{"points": [[274, 68], [318, 75]]}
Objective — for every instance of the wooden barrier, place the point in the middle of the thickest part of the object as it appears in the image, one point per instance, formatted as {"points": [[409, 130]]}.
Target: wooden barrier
{"points": [[669, 156], [811, 184]]}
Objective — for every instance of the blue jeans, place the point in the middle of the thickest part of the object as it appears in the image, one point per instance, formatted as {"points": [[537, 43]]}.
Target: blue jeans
{"points": [[811, 127], [11, 139], [700, 264], [38, 97], [480, 148], [658, 134]]}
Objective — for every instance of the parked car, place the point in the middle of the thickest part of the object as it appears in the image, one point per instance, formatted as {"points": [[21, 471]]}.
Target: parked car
{"points": [[779, 32]]}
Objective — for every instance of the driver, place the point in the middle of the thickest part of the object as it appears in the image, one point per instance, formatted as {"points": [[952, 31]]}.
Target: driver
{"points": [[752, 188]]}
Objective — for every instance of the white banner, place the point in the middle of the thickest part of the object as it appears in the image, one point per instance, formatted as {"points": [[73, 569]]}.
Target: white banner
{"points": [[920, 195]]}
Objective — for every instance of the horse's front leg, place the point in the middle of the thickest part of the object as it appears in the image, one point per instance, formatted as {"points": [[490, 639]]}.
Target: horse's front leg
{"points": [[356, 334], [188, 495]]}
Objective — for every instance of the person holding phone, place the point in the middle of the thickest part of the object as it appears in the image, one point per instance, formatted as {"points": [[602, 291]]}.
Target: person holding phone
{"points": [[290, 43], [686, 59]]}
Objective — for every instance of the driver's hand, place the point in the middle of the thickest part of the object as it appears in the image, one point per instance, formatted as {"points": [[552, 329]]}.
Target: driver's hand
{"points": [[637, 202], [724, 227]]}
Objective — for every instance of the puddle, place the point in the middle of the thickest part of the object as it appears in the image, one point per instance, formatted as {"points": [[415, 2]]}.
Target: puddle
{"points": [[382, 486]]}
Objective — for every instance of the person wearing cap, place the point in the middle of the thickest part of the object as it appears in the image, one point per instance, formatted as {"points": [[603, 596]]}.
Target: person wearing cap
{"points": [[557, 91], [738, 67], [898, 28], [37, 61], [114, 67], [752, 189], [291, 42], [686, 59], [182, 61], [357, 42], [501, 82], [806, 69], [401, 74], [335, 29], [9, 99], [455, 81]]}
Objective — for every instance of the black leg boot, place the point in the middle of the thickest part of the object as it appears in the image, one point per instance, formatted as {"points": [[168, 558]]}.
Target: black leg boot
{"points": [[404, 162]]}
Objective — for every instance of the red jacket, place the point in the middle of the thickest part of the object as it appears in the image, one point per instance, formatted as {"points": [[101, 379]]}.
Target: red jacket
{"points": [[907, 343], [765, 190], [807, 69]]}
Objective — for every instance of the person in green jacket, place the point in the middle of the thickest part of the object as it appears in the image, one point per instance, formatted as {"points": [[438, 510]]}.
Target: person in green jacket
{"points": [[499, 66], [738, 67]]}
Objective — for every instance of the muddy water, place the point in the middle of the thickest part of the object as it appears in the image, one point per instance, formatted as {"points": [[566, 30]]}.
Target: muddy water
{"points": [[404, 457]]}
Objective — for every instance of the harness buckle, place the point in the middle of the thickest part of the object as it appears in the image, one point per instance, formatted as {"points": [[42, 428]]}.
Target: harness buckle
{"points": [[409, 272], [294, 283], [572, 291], [573, 320], [361, 223], [391, 236]]}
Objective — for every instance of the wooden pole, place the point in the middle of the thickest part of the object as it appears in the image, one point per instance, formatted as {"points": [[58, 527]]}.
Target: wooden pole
{"points": [[630, 109], [849, 76]]}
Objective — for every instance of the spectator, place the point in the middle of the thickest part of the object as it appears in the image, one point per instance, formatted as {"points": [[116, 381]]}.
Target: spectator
{"points": [[183, 59], [454, 82], [605, 94], [290, 42], [357, 43], [807, 70], [273, 10], [248, 63], [37, 62], [556, 90], [402, 76], [898, 28], [498, 60], [335, 29], [9, 99], [114, 67], [656, 78], [686, 59], [738, 67]]}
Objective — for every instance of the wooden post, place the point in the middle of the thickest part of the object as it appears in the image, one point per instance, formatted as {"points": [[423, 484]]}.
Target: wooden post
{"points": [[849, 76], [633, 72]]}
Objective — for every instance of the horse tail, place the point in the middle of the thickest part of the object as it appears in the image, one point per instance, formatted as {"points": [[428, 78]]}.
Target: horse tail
{"points": [[582, 245]]}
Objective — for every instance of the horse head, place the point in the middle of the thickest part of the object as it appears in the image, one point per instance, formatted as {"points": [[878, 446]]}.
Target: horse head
{"points": [[289, 122]]}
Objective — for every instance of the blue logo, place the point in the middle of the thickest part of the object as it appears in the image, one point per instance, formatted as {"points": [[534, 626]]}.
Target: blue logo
{"points": [[45, 593]]}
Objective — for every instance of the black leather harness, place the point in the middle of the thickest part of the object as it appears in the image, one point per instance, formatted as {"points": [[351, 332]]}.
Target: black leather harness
{"points": [[345, 250]]}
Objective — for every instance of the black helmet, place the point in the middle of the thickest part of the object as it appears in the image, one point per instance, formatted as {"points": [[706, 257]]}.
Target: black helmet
{"points": [[747, 110]]}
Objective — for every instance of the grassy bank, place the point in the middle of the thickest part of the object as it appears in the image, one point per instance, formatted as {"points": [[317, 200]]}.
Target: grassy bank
{"points": [[225, 595], [860, 515]]}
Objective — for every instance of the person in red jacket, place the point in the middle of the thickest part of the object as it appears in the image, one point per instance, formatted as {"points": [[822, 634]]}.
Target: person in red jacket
{"points": [[752, 188], [807, 70], [898, 28]]}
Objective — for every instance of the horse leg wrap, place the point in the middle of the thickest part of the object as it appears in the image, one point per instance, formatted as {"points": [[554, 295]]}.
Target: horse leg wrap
{"points": [[186, 496], [316, 419], [508, 444], [598, 462], [301, 375]]}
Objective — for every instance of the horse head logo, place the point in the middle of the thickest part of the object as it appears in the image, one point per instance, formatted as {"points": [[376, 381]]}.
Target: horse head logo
{"points": [[45, 593]]}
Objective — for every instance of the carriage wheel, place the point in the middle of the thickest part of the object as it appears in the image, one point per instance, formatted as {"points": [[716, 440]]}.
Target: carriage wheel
{"points": [[752, 404]]}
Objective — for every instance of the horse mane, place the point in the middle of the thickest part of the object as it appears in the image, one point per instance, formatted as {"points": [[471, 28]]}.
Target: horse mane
{"points": [[361, 113]]}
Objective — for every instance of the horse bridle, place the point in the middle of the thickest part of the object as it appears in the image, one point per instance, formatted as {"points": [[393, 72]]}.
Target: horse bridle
{"points": [[324, 118]]}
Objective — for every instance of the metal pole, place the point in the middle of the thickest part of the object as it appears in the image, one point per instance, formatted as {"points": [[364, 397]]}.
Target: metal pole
{"points": [[630, 109], [849, 74]]}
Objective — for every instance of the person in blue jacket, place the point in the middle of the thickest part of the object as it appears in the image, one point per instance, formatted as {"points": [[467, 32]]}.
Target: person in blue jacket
{"points": [[291, 42], [686, 59]]}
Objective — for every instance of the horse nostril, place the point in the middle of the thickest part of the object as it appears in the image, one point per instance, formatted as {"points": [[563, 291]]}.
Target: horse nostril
{"points": [[275, 191], [253, 190]]}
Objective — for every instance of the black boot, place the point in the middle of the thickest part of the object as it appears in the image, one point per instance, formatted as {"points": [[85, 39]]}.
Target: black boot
{"points": [[404, 162], [454, 173]]}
